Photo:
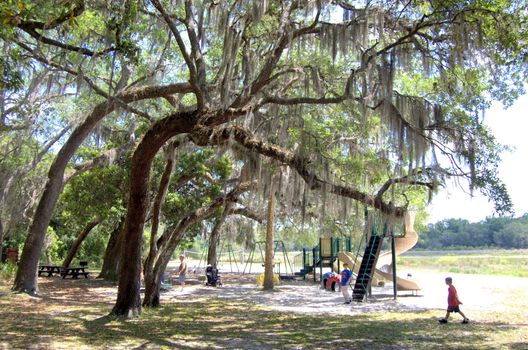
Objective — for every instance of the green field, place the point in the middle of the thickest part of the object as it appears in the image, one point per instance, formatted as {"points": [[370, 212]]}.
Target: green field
{"points": [[485, 262]]}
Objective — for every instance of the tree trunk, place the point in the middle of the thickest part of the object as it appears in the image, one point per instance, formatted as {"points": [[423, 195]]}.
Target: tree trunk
{"points": [[26, 277], [1, 238], [156, 212], [128, 301], [77, 243], [112, 257], [170, 241], [128, 298], [153, 276], [153, 280], [214, 239], [269, 283]]}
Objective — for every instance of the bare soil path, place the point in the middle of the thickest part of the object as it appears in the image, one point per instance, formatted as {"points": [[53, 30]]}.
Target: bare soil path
{"points": [[479, 293]]}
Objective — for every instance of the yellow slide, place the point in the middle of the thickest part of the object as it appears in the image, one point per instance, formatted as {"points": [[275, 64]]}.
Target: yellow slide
{"points": [[350, 259], [402, 244]]}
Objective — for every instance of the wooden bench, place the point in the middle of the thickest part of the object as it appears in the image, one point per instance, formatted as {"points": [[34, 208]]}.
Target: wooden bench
{"points": [[74, 272], [49, 269]]}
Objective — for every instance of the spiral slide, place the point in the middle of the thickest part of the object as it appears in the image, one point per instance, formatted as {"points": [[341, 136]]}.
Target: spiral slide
{"points": [[401, 244]]}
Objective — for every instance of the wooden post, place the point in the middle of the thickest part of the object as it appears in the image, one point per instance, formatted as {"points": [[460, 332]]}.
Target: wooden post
{"points": [[393, 250], [268, 269], [321, 259], [304, 262], [313, 263]]}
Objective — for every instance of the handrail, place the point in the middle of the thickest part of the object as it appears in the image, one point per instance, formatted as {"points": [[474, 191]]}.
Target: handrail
{"points": [[298, 258], [316, 254]]}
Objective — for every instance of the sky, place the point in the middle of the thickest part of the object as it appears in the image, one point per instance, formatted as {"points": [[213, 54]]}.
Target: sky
{"points": [[510, 127]]}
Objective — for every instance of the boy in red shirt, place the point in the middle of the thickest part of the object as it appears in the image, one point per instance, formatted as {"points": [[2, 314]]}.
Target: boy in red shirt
{"points": [[452, 302]]}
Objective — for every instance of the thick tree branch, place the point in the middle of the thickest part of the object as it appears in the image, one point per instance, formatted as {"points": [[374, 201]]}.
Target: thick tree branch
{"points": [[248, 213], [105, 159], [30, 27], [410, 180], [219, 136]]}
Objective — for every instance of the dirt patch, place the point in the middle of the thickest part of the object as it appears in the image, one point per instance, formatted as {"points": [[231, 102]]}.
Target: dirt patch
{"points": [[481, 294]]}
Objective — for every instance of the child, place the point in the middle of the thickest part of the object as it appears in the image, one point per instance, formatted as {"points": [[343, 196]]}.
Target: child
{"points": [[182, 271], [346, 274], [452, 302]]}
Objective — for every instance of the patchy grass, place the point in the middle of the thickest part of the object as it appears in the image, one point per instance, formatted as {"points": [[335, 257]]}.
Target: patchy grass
{"points": [[72, 314], [505, 263], [7, 270]]}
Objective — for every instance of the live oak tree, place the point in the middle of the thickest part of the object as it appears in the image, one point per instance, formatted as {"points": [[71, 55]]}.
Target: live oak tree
{"points": [[368, 101], [262, 86]]}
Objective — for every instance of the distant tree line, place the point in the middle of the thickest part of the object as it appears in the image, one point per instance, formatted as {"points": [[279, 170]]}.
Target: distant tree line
{"points": [[503, 232]]}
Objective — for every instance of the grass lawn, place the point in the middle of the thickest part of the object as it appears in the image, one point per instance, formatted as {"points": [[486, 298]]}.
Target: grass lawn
{"points": [[483, 262], [72, 315]]}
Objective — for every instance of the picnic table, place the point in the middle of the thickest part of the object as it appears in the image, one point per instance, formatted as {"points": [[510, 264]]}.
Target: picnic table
{"points": [[49, 269], [74, 272], [64, 272]]}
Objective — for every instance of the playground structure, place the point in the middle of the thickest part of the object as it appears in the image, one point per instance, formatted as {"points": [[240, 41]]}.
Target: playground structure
{"points": [[366, 269]]}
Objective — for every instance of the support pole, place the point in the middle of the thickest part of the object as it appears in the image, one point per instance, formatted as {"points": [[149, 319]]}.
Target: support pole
{"points": [[314, 266], [321, 259], [304, 265], [393, 250]]}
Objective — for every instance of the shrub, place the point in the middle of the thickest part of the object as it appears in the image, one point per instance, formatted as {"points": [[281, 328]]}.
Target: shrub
{"points": [[8, 270]]}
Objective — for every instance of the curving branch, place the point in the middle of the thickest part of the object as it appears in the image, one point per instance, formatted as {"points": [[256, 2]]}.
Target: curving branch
{"points": [[248, 213], [30, 27], [286, 36], [171, 237], [410, 180], [82, 50], [220, 136], [193, 75]]}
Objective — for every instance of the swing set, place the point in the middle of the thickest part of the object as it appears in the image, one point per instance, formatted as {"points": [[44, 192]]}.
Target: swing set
{"points": [[230, 255], [288, 270]]}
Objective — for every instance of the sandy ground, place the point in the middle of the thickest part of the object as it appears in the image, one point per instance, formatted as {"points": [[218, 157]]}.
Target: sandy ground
{"points": [[479, 293]]}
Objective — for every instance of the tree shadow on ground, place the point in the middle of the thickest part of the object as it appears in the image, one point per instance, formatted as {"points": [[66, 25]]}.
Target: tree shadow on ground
{"points": [[73, 314]]}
